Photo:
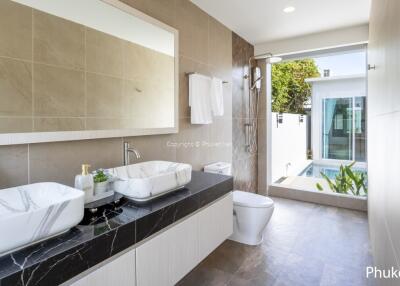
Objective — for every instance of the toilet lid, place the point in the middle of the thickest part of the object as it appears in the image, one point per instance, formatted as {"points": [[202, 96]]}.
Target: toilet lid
{"points": [[246, 199]]}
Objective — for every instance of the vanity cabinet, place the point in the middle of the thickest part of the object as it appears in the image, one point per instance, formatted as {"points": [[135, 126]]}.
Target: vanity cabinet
{"points": [[175, 252], [168, 256], [120, 271]]}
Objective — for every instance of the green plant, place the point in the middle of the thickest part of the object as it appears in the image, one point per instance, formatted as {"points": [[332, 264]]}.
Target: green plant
{"points": [[290, 92], [100, 177], [346, 182]]}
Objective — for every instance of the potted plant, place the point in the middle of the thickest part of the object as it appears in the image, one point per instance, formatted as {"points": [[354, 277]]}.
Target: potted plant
{"points": [[100, 179]]}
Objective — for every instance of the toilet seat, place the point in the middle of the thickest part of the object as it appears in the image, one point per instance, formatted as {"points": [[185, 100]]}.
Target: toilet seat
{"points": [[250, 200]]}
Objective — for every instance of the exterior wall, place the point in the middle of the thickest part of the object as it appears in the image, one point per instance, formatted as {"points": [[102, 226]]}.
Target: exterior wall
{"points": [[264, 149], [206, 47], [244, 165], [284, 151], [384, 135]]}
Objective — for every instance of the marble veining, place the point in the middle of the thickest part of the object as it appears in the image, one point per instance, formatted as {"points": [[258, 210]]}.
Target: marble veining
{"points": [[56, 260], [148, 179], [38, 211]]}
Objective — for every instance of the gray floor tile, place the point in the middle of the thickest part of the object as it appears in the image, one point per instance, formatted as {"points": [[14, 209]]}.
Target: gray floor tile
{"points": [[305, 244]]}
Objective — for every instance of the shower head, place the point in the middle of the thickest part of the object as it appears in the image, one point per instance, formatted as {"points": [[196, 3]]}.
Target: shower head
{"points": [[274, 60], [270, 58]]}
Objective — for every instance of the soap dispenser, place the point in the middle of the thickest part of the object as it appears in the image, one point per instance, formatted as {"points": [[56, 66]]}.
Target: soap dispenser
{"points": [[85, 183]]}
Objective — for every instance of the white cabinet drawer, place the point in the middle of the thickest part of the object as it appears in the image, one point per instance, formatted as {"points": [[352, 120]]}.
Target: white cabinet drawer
{"points": [[152, 262], [168, 257], [215, 225], [183, 251], [120, 271]]}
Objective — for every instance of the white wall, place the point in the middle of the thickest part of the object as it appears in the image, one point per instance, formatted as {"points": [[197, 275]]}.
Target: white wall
{"points": [[289, 145], [384, 135], [319, 41]]}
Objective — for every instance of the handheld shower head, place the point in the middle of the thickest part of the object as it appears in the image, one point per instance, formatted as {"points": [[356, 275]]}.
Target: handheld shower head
{"points": [[255, 82]]}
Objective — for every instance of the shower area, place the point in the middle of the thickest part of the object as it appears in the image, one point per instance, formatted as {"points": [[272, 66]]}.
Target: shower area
{"points": [[249, 117], [244, 157]]}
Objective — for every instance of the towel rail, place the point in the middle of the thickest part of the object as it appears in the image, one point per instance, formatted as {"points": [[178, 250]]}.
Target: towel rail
{"points": [[189, 73]]}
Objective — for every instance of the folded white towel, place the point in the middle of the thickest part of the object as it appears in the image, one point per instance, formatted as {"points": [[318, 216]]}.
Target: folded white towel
{"points": [[199, 99], [217, 97]]}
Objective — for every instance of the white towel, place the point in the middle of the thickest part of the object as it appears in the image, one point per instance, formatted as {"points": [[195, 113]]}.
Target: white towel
{"points": [[217, 97], [199, 99]]}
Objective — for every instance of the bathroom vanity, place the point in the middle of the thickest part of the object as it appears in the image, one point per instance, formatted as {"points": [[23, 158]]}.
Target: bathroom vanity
{"points": [[128, 244]]}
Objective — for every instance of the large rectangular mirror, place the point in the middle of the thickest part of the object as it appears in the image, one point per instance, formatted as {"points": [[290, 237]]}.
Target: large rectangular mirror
{"points": [[73, 69]]}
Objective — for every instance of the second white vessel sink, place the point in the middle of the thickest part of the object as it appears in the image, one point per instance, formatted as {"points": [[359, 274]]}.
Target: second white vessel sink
{"points": [[32, 213], [145, 181]]}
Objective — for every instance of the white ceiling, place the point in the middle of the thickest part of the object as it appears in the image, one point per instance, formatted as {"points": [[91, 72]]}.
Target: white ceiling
{"points": [[261, 21]]}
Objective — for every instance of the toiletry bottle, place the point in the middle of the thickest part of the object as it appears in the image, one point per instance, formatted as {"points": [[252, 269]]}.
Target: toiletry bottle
{"points": [[85, 183]]}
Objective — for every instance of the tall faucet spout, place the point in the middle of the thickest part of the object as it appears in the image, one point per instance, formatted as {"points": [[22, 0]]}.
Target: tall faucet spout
{"points": [[127, 151]]}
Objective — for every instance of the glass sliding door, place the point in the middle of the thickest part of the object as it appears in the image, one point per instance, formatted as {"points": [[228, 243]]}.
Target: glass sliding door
{"points": [[360, 136], [337, 141]]}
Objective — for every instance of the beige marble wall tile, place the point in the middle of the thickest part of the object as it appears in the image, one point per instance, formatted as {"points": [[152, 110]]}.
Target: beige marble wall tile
{"points": [[13, 166], [15, 87], [220, 141], [220, 45], [104, 96], [60, 162], [15, 30], [192, 144], [58, 92], [103, 53], [16, 124], [58, 41], [192, 24], [58, 124], [161, 10]]}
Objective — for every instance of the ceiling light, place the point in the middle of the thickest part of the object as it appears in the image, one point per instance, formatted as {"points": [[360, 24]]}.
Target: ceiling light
{"points": [[289, 9]]}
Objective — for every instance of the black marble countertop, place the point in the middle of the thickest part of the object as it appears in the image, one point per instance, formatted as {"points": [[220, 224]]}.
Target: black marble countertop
{"points": [[59, 259]]}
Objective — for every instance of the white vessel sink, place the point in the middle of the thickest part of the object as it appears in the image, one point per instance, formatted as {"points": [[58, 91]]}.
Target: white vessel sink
{"points": [[32, 213], [145, 181]]}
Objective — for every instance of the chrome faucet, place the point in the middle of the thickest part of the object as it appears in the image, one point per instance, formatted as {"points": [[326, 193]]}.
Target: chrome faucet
{"points": [[128, 150]]}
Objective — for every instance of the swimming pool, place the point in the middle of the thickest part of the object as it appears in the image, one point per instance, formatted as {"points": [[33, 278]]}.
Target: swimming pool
{"points": [[314, 170]]}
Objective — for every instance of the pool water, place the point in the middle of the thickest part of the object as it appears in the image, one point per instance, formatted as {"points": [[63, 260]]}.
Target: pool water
{"points": [[314, 170]]}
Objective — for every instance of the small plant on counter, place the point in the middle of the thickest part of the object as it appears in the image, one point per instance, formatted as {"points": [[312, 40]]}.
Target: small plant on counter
{"points": [[100, 179], [347, 182], [99, 176]]}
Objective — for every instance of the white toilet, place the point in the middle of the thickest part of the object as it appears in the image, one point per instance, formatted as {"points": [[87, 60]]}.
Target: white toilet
{"points": [[251, 212]]}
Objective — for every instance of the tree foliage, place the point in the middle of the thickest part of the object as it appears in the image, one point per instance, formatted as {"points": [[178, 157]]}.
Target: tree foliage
{"points": [[289, 90]]}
